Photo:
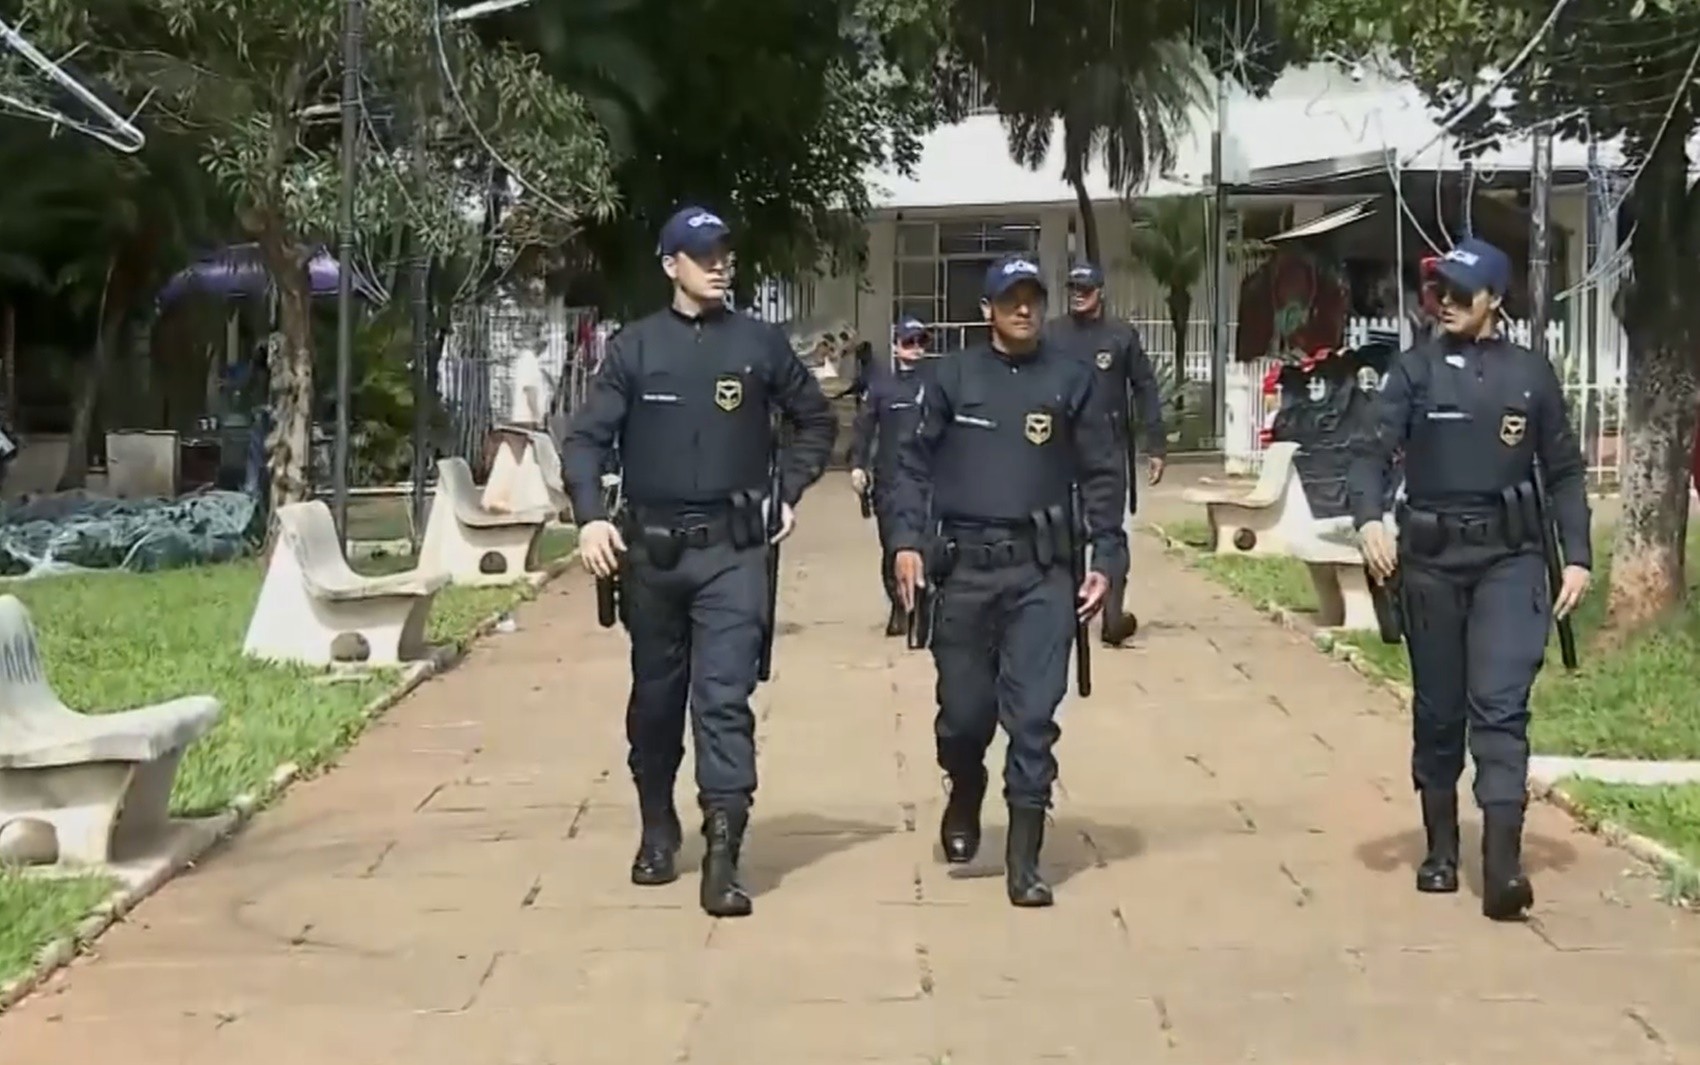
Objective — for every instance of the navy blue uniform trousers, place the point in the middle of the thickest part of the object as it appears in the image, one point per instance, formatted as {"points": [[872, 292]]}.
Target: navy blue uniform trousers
{"points": [[1476, 629], [696, 633], [1001, 644]]}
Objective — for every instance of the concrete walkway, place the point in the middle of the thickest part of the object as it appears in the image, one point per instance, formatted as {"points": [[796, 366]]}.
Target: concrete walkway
{"points": [[1232, 850]]}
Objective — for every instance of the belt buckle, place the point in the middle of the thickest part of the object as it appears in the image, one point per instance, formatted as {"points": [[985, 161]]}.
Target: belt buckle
{"points": [[1473, 531], [695, 535]]}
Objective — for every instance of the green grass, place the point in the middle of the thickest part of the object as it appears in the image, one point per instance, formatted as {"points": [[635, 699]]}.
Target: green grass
{"points": [[1631, 701], [112, 641], [33, 911]]}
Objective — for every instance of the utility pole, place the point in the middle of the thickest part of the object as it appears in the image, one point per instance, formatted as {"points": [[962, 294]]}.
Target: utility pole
{"points": [[351, 109], [420, 289], [1540, 240], [1218, 272]]}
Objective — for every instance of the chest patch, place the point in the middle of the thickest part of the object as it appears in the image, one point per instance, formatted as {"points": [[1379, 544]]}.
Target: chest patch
{"points": [[1512, 426], [1036, 427], [728, 393], [1103, 360]]}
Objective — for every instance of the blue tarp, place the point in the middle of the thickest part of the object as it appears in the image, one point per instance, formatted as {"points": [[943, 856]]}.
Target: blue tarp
{"points": [[73, 532]]}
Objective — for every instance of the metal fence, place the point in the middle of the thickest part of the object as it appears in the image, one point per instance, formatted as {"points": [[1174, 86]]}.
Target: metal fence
{"points": [[475, 370]]}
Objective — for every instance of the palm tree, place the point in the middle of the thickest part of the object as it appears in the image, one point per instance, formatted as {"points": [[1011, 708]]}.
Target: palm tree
{"points": [[1171, 243], [1123, 112]]}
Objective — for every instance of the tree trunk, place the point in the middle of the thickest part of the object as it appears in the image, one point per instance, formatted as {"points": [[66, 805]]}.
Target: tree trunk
{"points": [[1660, 391], [109, 328], [1180, 314], [289, 363], [1088, 219]]}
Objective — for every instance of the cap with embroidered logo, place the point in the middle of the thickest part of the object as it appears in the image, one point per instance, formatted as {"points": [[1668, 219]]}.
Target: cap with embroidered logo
{"points": [[693, 231], [1012, 270], [911, 329], [1476, 266], [1085, 275]]}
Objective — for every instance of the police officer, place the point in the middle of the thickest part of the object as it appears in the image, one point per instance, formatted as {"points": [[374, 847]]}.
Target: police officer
{"points": [[886, 415], [686, 395], [1113, 350], [1473, 413], [1004, 429]]}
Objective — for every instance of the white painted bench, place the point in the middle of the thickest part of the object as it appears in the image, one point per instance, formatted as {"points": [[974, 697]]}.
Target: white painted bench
{"points": [[100, 782], [472, 543], [1267, 519], [311, 599], [1330, 551], [526, 473]]}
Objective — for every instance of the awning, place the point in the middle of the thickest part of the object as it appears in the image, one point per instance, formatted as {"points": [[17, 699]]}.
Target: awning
{"points": [[1328, 223]]}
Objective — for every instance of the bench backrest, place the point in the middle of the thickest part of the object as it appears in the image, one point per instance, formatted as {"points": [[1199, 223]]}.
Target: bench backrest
{"points": [[310, 532], [454, 476], [24, 690], [548, 460]]}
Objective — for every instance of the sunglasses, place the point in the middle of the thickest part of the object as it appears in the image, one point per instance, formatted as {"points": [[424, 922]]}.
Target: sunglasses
{"points": [[1453, 293]]}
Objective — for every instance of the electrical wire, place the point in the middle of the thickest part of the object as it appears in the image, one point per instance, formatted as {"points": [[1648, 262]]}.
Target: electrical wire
{"points": [[472, 123]]}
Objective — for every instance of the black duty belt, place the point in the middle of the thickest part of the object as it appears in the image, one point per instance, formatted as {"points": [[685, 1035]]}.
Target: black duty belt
{"points": [[1430, 532], [980, 547]]}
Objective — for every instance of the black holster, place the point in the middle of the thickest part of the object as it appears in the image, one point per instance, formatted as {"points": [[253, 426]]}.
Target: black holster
{"points": [[748, 525]]}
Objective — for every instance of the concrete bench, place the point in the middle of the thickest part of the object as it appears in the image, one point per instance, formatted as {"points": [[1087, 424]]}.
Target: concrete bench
{"points": [[99, 783], [526, 473], [472, 543], [1267, 519], [312, 605], [1329, 549]]}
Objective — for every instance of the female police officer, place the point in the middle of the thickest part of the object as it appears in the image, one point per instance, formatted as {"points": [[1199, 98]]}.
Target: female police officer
{"points": [[1478, 418], [1004, 429]]}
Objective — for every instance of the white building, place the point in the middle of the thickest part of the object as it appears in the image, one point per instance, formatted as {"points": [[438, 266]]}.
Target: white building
{"points": [[1320, 142]]}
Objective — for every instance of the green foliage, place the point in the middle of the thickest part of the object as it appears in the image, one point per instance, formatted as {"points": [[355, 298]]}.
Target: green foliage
{"points": [[772, 115], [254, 82], [382, 400]]}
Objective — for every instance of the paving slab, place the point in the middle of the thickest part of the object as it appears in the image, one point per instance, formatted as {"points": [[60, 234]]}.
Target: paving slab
{"points": [[1232, 844]]}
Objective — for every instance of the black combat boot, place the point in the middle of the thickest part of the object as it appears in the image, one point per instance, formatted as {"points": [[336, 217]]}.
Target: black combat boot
{"points": [[1119, 630], [1438, 875], [1021, 858], [658, 846], [1506, 893], [722, 895], [959, 828], [898, 623]]}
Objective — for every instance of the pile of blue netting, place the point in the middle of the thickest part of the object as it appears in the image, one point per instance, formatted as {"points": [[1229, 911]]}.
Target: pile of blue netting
{"points": [[73, 532]]}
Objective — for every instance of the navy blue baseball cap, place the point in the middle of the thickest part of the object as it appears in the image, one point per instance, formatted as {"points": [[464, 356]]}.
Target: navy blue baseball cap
{"points": [[1012, 270], [911, 329], [693, 231], [1085, 275], [1476, 266]]}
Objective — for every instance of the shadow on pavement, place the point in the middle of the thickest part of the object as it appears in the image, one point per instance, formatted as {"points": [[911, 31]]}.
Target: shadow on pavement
{"points": [[1072, 846], [779, 846], [1404, 850]]}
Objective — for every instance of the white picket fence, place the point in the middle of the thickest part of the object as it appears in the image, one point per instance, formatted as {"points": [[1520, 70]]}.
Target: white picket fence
{"points": [[1596, 408]]}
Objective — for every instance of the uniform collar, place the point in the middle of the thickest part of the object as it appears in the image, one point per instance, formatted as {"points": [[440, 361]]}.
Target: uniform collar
{"points": [[708, 316]]}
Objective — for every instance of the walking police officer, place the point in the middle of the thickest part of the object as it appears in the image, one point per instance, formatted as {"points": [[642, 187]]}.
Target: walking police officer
{"points": [[1004, 429], [1114, 352], [687, 394], [1476, 416], [886, 416]]}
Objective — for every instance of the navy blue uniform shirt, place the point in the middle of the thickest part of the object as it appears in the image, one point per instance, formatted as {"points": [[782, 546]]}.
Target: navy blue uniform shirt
{"points": [[1113, 350], [688, 403], [887, 415], [1472, 418], [1000, 437]]}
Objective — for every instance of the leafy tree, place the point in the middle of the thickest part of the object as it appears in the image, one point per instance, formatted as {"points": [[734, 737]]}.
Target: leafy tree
{"points": [[1605, 68], [772, 114], [255, 84]]}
